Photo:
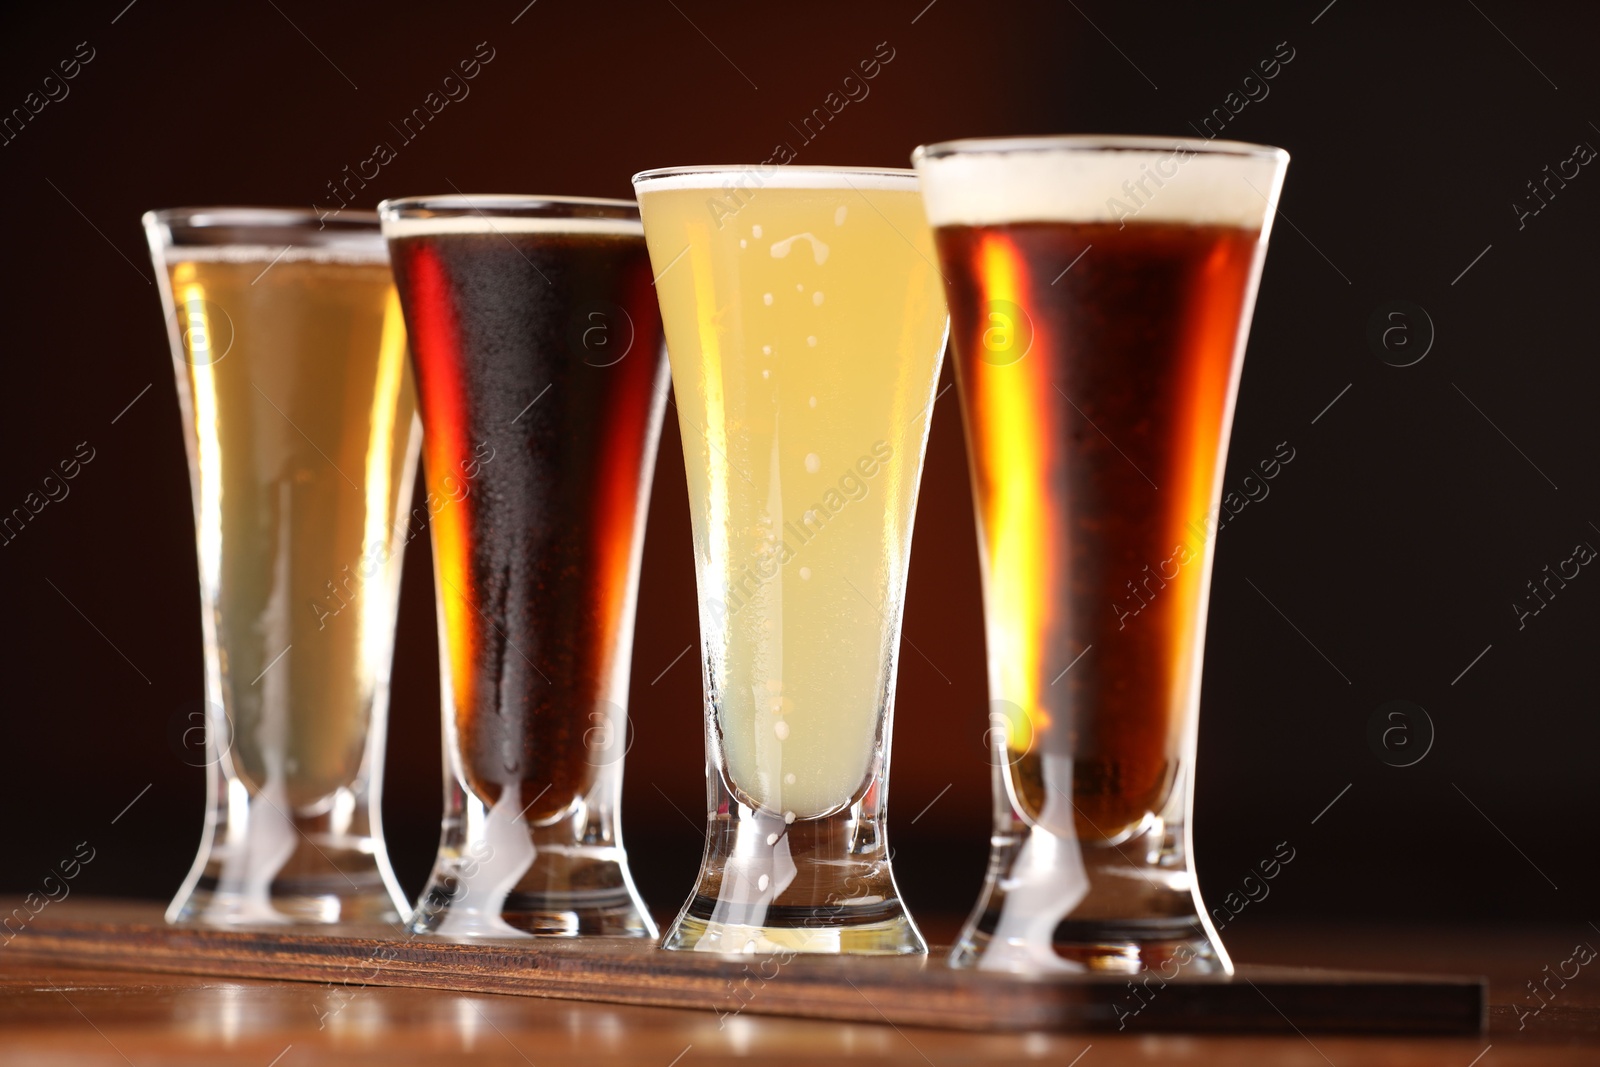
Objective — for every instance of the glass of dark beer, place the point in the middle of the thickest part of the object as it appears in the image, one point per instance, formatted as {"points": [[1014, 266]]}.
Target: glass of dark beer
{"points": [[541, 379], [1100, 293]]}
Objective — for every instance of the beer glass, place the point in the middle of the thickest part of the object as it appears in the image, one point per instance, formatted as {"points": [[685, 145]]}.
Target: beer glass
{"points": [[541, 382], [1100, 293], [805, 328], [299, 423]]}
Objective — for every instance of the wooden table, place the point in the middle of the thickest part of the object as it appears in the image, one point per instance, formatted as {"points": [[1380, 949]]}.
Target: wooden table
{"points": [[57, 1014]]}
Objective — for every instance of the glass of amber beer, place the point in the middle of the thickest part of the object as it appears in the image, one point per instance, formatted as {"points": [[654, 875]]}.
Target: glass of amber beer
{"points": [[541, 381], [805, 328], [301, 433], [1100, 294]]}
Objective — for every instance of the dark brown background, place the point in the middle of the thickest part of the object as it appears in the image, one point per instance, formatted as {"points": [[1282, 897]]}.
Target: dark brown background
{"points": [[1395, 542]]}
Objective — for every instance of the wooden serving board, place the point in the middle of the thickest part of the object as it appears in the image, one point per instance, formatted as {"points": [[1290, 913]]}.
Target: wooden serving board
{"points": [[900, 991]]}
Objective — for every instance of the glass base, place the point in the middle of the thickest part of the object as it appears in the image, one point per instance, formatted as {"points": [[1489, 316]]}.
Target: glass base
{"points": [[363, 898], [265, 867], [597, 913], [1054, 904], [499, 875], [819, 885], [829, 930]]}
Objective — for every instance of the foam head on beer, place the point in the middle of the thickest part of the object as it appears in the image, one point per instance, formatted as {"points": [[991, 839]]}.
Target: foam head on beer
{"points": [[981, 182]]}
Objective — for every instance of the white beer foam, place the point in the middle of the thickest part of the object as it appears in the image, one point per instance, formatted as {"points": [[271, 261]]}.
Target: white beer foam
{"points": [[777, 176], [1101, 183], [377, 253], [460, 224]]}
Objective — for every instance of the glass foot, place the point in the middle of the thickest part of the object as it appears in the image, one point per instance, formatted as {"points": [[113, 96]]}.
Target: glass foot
{"points": [[774, 884], [594, 913], [1057, 904], [499, 875], [281, 870], [872, 931]]}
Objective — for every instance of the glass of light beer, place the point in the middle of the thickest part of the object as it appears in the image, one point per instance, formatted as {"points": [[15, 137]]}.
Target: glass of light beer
{"points": [[1100, 294], [541, 381], [805, 328], [299, 422]]}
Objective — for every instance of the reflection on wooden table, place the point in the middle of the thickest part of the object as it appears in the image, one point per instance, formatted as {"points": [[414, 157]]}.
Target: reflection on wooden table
{"points": [[60, 1014]]}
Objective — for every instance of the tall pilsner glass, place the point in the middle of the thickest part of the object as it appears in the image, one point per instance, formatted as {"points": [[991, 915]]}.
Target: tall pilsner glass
{"points": [[805, 328], [542, 382], [1100, 293], [299, 421]]}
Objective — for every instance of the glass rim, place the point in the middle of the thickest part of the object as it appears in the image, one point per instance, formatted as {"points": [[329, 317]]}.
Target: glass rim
{"points": [[255, 217], [1092, 142], [502, 205], [662, 173]]}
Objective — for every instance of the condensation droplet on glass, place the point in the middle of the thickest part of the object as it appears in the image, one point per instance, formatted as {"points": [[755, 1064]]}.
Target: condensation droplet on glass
{"points": [[812, 341], [766, 350], [743, 243], [788, 818], [813, 463], [813, 401], [799, 288], [763, 882], [839, 214], [805, 574], [755, 231], [772, 839], [766, 298], [781, 728], [766, 374], [788, 779], [816, 298]]}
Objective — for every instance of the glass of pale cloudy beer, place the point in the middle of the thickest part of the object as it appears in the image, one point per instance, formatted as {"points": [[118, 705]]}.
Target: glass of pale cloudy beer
{"points": [[299, 420], [541, 381], [1100, 294], [805, 327]]}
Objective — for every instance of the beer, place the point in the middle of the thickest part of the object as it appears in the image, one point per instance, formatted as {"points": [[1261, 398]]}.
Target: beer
{"points": [[1121, 408], [1100, 291], [303, 430], [537, 348], [802, 375], [805, 327]]}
